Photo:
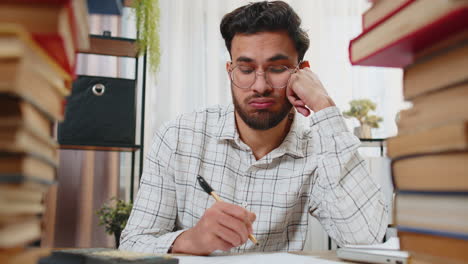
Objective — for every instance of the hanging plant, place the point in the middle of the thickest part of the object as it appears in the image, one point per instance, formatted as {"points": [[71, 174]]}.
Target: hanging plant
{"points": [[147, 15]]}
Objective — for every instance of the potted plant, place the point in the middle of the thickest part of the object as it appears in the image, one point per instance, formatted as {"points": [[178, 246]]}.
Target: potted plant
{"points": [[113, 216], [360, 109], [147, 16]]}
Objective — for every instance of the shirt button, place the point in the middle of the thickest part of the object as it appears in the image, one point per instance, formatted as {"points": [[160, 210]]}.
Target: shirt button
{"points": [[244, 204]]}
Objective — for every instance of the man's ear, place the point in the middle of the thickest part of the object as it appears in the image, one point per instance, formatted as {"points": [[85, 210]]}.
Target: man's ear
{"points": [[228, 66]]}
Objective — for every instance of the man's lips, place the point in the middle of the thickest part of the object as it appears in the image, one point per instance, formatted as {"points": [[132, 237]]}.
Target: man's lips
{"points": [[261, 103]]}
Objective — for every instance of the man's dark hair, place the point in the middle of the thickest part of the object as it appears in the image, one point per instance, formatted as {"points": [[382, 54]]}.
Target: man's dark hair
{"points": [[265, 17]]}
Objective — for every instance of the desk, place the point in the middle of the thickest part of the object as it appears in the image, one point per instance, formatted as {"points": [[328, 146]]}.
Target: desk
{"points": [[115, 256]]}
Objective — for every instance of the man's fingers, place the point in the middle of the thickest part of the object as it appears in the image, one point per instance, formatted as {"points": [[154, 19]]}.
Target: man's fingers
{"points": [[252, 217], [236, 225], [303, 110], [228, 235], [299, 105], [223, 245], [235, 211]]}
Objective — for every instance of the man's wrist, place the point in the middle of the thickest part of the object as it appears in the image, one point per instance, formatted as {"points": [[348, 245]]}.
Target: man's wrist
{"points": [[177, 246], [320, 103], [183, 244], [170, 248]]}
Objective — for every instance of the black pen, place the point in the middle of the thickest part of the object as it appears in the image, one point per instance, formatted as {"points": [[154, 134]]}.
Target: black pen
{"points": [[207, 188]]}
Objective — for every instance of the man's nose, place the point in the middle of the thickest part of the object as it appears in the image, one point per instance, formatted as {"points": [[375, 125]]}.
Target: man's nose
{"points": [[260, 85]]}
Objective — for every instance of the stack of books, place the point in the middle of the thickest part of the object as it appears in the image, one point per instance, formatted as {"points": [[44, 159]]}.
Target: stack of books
{"points": [[429, 40], [37, 52]]}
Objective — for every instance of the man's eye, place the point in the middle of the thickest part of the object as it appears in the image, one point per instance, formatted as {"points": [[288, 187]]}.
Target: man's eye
{"points": [[246, 69], [277, 69]]}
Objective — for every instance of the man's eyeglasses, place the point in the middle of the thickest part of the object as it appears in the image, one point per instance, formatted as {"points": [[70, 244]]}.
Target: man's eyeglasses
{"points": [[276, 76]]}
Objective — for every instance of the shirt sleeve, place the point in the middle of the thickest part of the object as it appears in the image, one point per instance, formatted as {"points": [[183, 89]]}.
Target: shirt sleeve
{"points": [[344, 198], [152, 220]]}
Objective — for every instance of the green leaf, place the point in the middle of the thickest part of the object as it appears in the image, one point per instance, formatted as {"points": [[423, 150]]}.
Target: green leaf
{"points": [[147, 15], [114, 215], [360, 109]]}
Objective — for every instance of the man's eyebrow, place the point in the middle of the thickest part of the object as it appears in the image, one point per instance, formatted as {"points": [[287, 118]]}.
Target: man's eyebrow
{"points": [[244, 59], [278, 57]]}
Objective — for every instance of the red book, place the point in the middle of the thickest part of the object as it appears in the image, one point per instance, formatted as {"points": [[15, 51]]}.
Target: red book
{"points": [[30, 73], [78, 10], [59, 26], [411, 28]]}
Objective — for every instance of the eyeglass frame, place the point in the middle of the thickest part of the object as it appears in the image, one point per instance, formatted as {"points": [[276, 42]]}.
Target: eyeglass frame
{"points": [[290, 70]]}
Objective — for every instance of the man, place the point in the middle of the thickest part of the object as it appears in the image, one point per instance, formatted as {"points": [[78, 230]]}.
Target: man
{"points": [[270, 171]]}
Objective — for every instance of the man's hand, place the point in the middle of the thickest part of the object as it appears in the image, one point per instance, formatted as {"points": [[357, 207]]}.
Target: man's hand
{"points": [[305, 92], [222, 227]]}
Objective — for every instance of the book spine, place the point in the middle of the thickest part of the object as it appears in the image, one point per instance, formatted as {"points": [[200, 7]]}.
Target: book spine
{"points": [[426, 231], [19, 178], [431, 193], [399, 189]]}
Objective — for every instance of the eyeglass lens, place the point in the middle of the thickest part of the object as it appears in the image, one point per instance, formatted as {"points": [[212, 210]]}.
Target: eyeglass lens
{"points": [[245, 76]]}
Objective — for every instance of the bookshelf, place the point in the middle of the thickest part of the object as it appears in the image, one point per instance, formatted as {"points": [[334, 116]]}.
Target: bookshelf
{"points": [[120, 47]]}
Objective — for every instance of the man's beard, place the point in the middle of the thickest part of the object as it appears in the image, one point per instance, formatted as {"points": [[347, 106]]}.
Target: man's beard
{"points": [[261, 119]]}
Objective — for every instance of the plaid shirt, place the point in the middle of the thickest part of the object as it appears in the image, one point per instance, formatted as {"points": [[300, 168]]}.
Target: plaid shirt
{"points": [[315, 170]]}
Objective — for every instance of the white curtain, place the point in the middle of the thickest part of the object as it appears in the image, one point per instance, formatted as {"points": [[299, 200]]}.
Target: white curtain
{"points": [[192, 71]]}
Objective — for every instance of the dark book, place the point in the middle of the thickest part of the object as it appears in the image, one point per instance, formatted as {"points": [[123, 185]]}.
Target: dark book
{"points": [[104, 256]]}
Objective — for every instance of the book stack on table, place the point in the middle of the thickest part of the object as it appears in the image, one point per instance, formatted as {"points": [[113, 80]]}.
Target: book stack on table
{"points": [[38, 42], [429, 41]]}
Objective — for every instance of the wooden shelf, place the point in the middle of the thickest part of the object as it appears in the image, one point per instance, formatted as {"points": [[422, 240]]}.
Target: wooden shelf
{"points": [[112, 46], [129, 148]]}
